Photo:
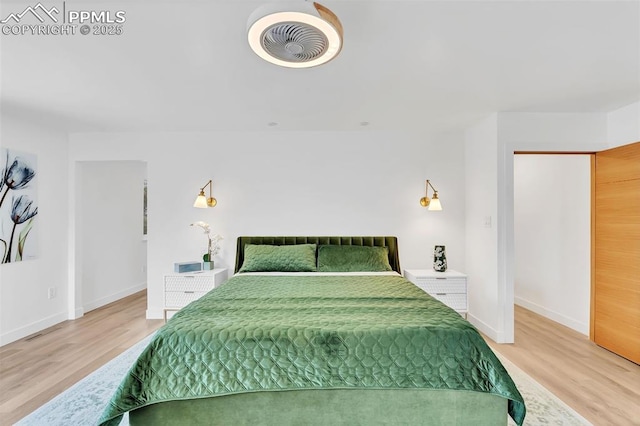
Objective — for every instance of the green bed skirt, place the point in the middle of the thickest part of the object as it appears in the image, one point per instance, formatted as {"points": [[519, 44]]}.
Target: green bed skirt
{"points": [[331, 407]]}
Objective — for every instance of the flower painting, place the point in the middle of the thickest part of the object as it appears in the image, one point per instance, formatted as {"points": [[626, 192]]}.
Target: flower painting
{"points": [[18, 206]]}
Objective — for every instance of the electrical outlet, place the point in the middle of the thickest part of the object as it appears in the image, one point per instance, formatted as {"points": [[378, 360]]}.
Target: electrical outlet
{"points": [[52, 292]]}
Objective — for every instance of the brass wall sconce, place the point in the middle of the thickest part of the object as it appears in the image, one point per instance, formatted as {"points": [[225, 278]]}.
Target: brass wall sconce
{"points": [[202, 202], [432, 203]]}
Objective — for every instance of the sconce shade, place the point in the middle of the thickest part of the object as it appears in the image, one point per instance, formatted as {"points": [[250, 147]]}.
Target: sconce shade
{"points": [[432, 203], [202, 202], [435, 203]]}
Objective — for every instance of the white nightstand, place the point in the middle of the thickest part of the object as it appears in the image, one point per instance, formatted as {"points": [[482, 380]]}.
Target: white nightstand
{"points": [[182, 289], [449, 287]]}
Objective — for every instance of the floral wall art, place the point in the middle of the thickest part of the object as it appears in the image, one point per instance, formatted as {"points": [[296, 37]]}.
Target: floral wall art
{"points": [[18, 205]]}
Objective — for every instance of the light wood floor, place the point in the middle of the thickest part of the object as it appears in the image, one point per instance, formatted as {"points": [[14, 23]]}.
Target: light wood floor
{"points": [[37, 368], [601, 386]]}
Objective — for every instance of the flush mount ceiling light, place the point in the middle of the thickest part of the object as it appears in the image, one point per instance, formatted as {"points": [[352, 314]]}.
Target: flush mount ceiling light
{"points": [[297, 35]]}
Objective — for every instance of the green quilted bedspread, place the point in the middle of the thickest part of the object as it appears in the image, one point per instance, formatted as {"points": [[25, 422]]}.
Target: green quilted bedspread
{"points": [[323, 332]]}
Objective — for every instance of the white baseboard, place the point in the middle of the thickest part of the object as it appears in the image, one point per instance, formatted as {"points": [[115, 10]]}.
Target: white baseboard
{"points": [[76, 313], [573, 324], [155, 313], [32, 328], [52, 320], [488, 331], [89, 306]]}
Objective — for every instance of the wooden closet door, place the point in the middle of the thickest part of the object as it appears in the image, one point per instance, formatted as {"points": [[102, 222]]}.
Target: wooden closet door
{"points": [[615, 312]]}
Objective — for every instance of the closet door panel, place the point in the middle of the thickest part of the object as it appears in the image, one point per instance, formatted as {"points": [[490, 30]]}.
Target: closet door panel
{"points": [[616, 305]]}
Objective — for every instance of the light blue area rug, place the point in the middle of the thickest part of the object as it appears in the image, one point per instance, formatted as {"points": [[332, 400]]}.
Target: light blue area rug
{"points": [[543, 407], [83, 403]]}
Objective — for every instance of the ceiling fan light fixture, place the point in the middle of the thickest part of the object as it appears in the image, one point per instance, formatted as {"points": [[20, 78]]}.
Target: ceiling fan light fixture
{"points": [[301, 35]]}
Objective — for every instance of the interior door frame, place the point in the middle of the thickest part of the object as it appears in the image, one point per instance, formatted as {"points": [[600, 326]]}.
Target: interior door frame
{"points": [[592, 158]]}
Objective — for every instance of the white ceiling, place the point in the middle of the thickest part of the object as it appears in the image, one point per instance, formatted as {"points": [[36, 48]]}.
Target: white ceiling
{"points": [[431, 65]]}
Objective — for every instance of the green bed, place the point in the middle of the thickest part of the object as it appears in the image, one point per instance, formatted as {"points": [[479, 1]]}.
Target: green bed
{"points": [[316, 349]]}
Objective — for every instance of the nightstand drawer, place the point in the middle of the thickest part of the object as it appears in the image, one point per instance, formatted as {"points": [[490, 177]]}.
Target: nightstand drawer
{"points": [[449, 287], [179, 299], [457, 301], [446, 285], [182, 289], [201, 283]]}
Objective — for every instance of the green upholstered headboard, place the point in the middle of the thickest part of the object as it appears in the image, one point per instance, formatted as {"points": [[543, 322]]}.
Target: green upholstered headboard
{"points": [[390, 242]]}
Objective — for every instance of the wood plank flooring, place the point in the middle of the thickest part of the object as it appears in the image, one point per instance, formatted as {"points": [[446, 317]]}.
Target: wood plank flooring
{"points": [[601, 386], [37, 368]]}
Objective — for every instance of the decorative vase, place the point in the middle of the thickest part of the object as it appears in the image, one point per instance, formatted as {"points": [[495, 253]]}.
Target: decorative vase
{"points": [[207, 259], [439, 259]]}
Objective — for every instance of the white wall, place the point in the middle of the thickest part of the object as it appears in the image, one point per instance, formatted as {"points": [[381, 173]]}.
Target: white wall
{"points": [[553, 131], [24, 304], [552, 216], [386, 173], [489, 146], [272, 183], [481, 162], [111, 255], [623, 125]]}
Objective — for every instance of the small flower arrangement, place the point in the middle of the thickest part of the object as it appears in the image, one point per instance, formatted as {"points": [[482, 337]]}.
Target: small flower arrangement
{"points": [[213, 246]]}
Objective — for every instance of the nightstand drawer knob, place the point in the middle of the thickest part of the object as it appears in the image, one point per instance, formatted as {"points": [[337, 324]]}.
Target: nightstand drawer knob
{"points": [[189, 292], [441, 294], [441, 278]]}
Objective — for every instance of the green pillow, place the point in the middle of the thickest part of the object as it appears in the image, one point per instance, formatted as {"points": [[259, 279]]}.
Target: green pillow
{"points": [[290, 258], [334, 258]]}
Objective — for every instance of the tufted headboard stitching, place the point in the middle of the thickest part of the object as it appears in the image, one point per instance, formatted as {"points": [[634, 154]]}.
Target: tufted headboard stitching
{"points": [[390, 242]]}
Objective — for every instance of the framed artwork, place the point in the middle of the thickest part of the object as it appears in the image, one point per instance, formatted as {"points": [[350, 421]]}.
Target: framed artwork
{"points": [[144, 209], [18, 205]]}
